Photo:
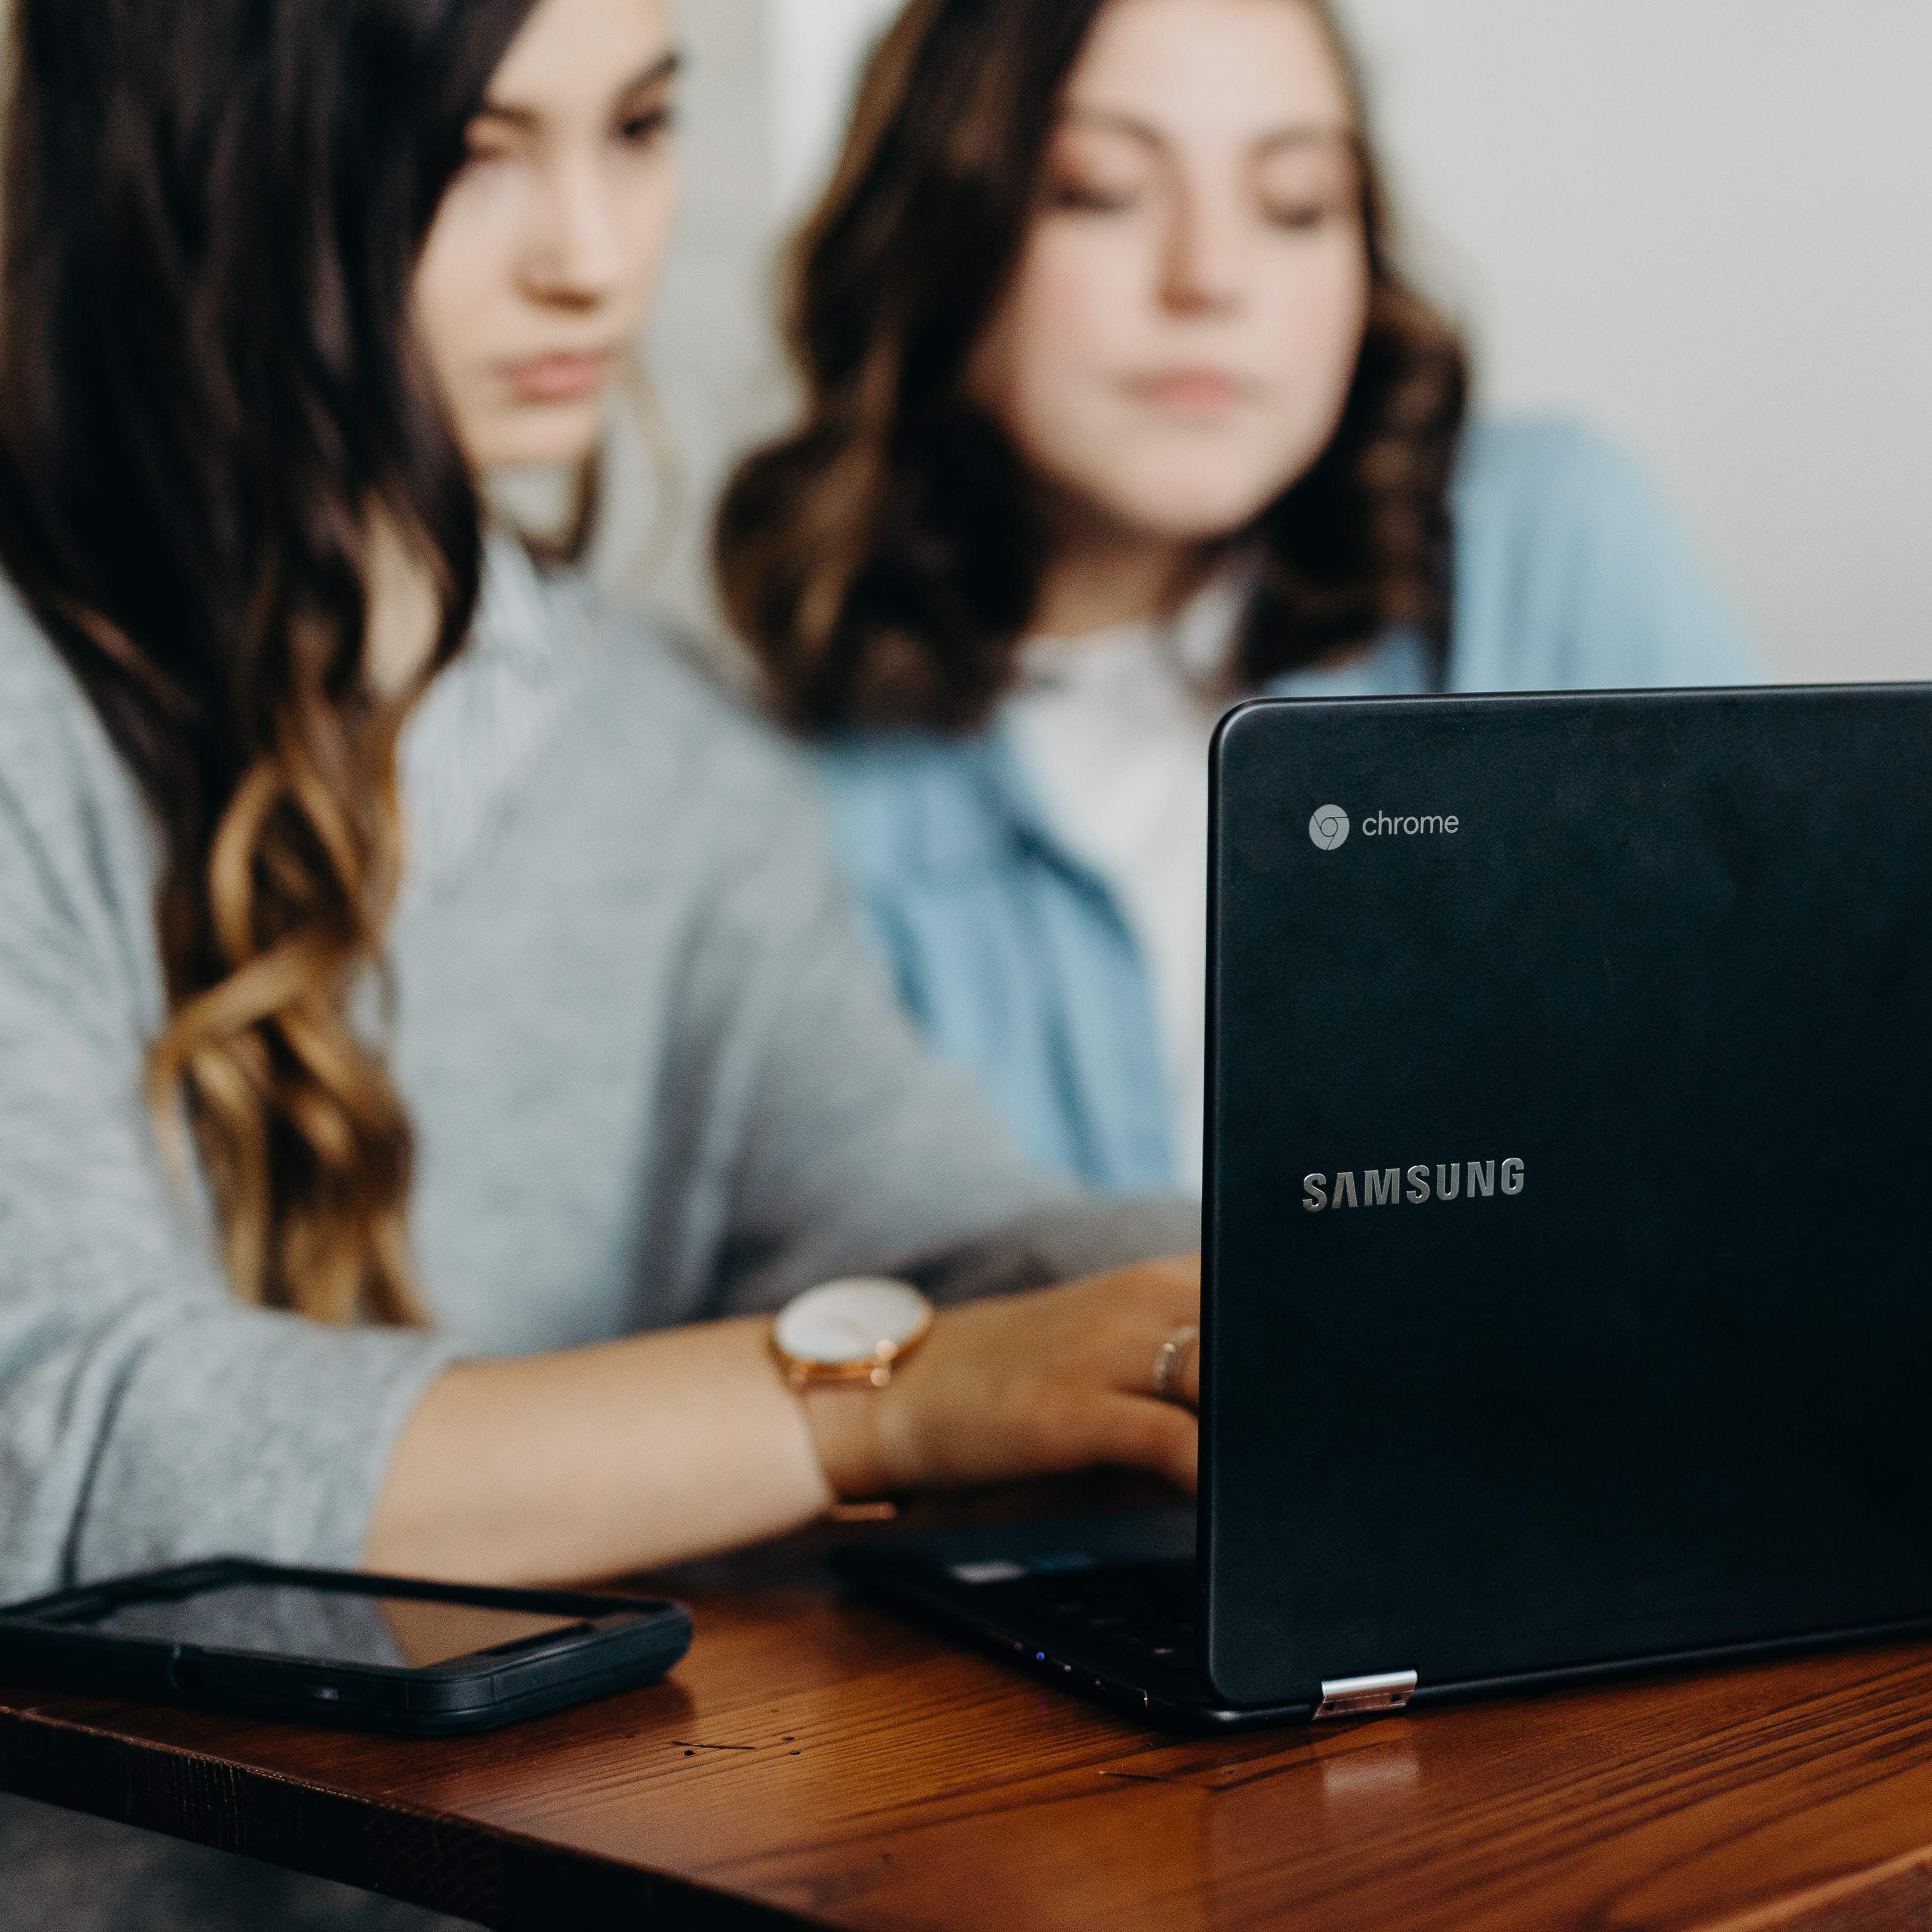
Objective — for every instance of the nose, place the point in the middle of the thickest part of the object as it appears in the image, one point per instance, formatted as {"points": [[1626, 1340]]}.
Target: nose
{"points": [[1205, 271], [575, 256]]}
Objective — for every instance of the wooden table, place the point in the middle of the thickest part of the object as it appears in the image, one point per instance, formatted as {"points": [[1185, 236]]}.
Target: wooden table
{"points": [[815, 1761]]}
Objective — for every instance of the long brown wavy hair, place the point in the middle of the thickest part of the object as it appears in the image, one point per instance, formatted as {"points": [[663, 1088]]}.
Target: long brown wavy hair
{"points": [[883, 560], [211, 401]]}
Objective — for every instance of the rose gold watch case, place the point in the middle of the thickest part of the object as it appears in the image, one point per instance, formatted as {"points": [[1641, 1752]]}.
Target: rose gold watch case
{"points": [[875, 1371]]}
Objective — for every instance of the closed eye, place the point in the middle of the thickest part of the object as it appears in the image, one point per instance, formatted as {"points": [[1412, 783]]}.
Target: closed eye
{"points": [[1082, 198], [1303, 216], [645, 129]]}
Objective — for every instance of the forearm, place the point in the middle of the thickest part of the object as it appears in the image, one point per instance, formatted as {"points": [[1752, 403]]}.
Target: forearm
{"points": [[599, 1461], [605, 1460]]}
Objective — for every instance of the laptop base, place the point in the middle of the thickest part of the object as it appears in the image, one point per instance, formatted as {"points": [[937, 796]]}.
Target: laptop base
{"points": [[1032, 1593], [1105, 1607]]}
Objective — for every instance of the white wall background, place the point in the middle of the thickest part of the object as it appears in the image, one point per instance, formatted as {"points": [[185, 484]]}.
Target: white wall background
{"points": [[1705, 224], [711, 344], [1708, 225]]}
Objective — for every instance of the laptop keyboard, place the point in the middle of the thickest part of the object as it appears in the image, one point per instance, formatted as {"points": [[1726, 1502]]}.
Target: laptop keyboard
{"points": [[1138, 1617]]}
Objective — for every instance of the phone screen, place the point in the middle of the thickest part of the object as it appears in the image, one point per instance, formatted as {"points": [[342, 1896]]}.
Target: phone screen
{"points": [[330, 1626]]}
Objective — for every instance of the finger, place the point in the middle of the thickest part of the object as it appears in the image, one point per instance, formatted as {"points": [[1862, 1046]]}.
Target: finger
{"points": [[1172, 1283], [1129, 1349], [1171, 1292], [1175, 1280], [1155, 1436]]}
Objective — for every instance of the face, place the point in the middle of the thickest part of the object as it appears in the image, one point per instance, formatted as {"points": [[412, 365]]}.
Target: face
{"points": [[1188, 313], [540, 263]]}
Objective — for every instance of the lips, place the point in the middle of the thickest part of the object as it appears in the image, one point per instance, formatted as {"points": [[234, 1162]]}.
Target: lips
{"points": [[1190, 391], [565, 378]]}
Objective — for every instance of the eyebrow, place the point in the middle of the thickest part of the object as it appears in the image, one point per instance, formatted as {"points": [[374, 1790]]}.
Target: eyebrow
{"points": [[664, 68], [1299, 134]]}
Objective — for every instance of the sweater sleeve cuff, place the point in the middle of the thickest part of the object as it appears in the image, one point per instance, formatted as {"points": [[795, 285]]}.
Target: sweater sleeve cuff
{"points": [[250, 1433]]}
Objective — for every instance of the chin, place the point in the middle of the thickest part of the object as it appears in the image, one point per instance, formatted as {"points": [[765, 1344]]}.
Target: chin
{"points": [[1175, 512], [1185, 495], [538, 437]]}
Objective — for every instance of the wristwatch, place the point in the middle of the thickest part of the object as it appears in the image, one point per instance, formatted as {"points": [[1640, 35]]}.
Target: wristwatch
{"points": [[850, 1334]]}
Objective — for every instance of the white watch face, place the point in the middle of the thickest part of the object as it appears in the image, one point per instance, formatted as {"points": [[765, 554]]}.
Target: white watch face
{"points": [[860, 1321]]}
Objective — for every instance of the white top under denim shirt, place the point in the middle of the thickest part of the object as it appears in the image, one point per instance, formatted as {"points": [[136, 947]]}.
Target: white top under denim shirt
{"points": [[1113, 729], [1038, 889]]}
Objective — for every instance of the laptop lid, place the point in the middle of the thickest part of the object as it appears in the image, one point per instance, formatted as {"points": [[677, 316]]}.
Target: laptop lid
{"points": [[1569, 1215]]}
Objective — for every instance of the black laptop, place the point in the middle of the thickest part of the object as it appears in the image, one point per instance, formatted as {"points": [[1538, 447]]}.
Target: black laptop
{"points": [[1568, 1278]]}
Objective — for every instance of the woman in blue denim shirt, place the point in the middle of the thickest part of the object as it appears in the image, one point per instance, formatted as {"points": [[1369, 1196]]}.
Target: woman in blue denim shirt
{"points": [[1119, 411]]}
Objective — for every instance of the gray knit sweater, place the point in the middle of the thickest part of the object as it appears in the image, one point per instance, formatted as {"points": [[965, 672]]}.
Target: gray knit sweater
{"points": [[654, 1075]]}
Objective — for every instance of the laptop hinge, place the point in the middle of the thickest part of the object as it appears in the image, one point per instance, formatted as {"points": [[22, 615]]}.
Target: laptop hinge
{"points": [[1361, 1696]]}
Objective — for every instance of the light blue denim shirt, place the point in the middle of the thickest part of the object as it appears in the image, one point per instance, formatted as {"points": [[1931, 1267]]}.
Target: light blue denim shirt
{"points": [[1016, 958]]}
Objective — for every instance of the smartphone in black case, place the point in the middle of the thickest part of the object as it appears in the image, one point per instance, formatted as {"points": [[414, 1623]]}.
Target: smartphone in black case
{"points": [[340, 1647]]}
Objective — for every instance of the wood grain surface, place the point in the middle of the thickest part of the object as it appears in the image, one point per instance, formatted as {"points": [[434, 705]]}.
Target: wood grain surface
{"points": [[818, 1760]]}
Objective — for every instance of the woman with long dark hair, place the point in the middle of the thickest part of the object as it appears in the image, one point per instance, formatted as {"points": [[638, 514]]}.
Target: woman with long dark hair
{"points": [[422, 1002], [1118, 409]]}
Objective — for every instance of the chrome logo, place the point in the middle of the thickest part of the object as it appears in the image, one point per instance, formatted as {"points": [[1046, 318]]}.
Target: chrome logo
{"points": [[1329, 827]]}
